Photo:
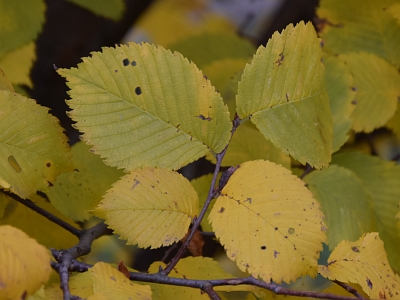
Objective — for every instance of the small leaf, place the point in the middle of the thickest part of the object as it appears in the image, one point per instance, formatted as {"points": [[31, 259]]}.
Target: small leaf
{"points": [[378, 89], [344, 201], [363, 262], [33, 149], [283, 93], [150, 207], [196, 243], [105, 8], [109, 283], [24, 269], [269, 223], [141, 105]]}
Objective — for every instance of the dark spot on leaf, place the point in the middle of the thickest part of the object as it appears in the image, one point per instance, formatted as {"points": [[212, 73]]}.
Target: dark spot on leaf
{"points": [[49, 183], [291, 230], [354, 102], [204, 118], [355, 249], [280, 59], [276, 228], [125, 62], [133, 63], [116, 71], [369, 283], [113, 278], [221, 210], [48, 165], [275, 253], [353, 88], [263, 247], [138, 91]]}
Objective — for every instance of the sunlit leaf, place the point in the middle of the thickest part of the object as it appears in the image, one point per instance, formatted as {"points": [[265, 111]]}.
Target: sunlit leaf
{"points": [[141, 105], [76, 192], [363, 262], [344, 201], [283, 93], [80, 284], [37, 226], [372, 28], [150, 207], [378, 88], [381, 180], [33, 149], [105, 8], [249, 144], [24, 269], [20, 23], [269, 223], [341, 91], [395, 11], [109, 283]]}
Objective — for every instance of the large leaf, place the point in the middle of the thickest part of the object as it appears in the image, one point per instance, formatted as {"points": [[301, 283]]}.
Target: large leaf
{"points": [[269, 223], [76, 192], [150, 207], [110, 9], [344, 201], [283, 93], [381, 180], [378, 89], [33, 149], [363, 262], [24, 264], [360, 25], [141, 105]]}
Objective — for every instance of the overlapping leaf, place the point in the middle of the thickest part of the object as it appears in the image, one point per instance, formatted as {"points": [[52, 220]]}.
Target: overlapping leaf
{"points": [[5, 83], [283, 93], [80, 284], [150, 207], [141, 105], [105, 8], [33, 149], [344, 201], [363, 262], [269, 223], [23, 269], [394, 122]]}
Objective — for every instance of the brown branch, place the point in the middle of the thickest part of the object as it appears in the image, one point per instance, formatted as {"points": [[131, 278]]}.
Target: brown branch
{"points": [[349, 289]]}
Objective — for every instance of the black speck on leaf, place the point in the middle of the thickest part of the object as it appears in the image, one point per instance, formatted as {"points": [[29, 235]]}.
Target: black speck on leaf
{"points": [[369, 283], [116, 71], [125, 62], [48, 165], [138, 91], [133, 63], [355, 249], [263, 247]]}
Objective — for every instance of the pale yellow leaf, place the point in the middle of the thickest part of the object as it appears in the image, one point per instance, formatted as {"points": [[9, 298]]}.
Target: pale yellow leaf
{"points": [[150, 207], [363, 262], [141, 105], [109, 283], [25, 264], [269, 223], [283, 93], [33, 148]]}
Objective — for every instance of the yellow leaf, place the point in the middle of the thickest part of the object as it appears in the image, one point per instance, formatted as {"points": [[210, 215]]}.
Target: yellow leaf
{"points": [[269, 223], [5, 83], [112, 9], [394, 122], [25, 265], [33, 149], [109, 283], [150, 207], [141, 105], [283, 93], [363, 262], [80, 284]]}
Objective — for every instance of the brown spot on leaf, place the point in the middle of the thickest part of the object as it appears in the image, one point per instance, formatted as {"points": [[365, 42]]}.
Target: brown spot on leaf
{"points": [[369, 283], [125, 62], [204, 118], [355, 249], [221, 210], [276, 253], [263, 247], [123, 269], [48, 165]]}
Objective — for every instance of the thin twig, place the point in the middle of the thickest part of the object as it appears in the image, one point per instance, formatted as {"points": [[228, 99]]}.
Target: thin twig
{"points": [[168, 252], [350, 289], [208, 288], [307, 170]]}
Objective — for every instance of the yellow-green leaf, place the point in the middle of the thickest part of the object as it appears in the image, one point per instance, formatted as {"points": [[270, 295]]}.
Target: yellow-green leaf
{"points": [[381, 180], [363, 262], [249, 144], [76, 192], [105, 8], [373, 28], [5, 83], [17, 64], [20, 23], [109, 283], [378, 89], [141, 105], [150, 207], [33, 148], [25, 265], [341, 91], [269, 223], [36, 226], [344, 201], [283, 93], [394, 122]]}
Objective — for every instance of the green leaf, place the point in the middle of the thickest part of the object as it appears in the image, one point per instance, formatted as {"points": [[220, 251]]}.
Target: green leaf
{"points": [[344, 202], [76, 192], [269, 223], [150, 207], [33, 149], [394, 122], [381, 180], [283, 93], [5, 83], [378, 89], [141, 105], [363, 262], [249, 144], [112, 9], [373, 28], [341, 91], [20, 23]]}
